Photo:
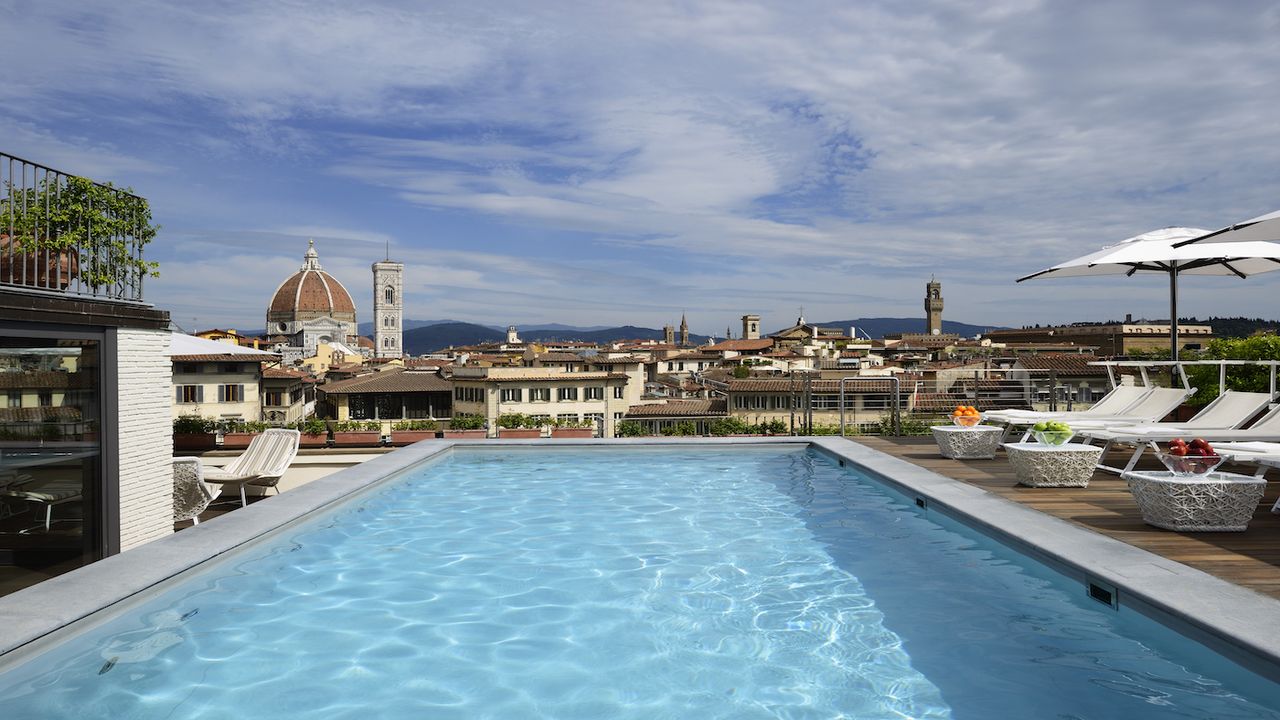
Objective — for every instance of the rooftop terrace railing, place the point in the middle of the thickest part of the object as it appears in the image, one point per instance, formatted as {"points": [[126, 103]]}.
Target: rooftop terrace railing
{"points": [[67, 235]]}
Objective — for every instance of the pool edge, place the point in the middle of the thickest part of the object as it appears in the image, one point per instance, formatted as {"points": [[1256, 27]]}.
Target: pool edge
{"points": [[1231, 620]]}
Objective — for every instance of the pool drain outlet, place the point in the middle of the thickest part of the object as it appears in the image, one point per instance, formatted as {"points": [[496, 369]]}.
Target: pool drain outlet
{"points": [[1104, 593]]}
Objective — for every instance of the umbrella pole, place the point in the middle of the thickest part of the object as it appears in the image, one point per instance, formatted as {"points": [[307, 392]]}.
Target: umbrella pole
{"points": [[1173, 314]]}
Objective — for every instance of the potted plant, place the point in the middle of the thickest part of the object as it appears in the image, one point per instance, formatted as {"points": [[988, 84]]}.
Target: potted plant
{"points": [[237, 434], [192, 432], [518, 426], [465, 425], [730, 426], [631, 428], [357, 433], [407, 432], [568, 428], [51, 225], [315, 432]]}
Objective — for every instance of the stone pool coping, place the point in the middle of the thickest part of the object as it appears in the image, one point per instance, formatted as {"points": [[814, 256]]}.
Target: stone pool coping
{"points": [[1232, 620]]}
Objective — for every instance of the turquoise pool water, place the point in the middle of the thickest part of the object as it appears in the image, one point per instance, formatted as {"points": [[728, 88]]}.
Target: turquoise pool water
{"points": [[618, 583]]}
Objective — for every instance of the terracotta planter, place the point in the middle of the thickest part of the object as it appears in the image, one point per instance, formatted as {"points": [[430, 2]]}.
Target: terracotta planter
{"points": [[194, 441], [572, 432], [51, 270], [237, 440], [357, 438], [464, 434], [400, 438], [519, 433], [313, 440]]}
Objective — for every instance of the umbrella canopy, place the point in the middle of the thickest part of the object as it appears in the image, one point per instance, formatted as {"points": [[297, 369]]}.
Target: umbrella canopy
{"points": [[1166, 251], [1262, 228]]}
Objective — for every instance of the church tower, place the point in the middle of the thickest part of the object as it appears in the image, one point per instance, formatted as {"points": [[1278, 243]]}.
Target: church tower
{"points": [[750, 327], [933, 307], [684, 331], [668, 335], [388, 309]]}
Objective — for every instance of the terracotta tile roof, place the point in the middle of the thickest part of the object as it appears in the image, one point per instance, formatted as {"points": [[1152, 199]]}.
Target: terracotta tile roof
{"points": [[557, 357], [218, 357], [641, 345], [33, 379], [549, 377], [818, 386], [693, 356], [617, 361], [313, 292], [1063, 363], [426, 362], [741, 345], [679, 408], [283, 373], [40, 414], [939, 402], [389, 381]]}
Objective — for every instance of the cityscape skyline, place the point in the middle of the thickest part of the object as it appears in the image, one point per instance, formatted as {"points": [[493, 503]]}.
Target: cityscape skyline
{"points": [[623, 165]]}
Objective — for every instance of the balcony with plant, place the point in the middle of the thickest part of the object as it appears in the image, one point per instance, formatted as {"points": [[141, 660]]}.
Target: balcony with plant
{"points": [[69, 234]]}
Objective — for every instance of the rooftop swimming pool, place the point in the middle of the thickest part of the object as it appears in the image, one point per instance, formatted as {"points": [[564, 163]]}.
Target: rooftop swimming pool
{"points": [[672, 582]]}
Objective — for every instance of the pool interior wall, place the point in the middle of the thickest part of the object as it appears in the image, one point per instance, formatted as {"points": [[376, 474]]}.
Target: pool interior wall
{"points": [[126, 577]]}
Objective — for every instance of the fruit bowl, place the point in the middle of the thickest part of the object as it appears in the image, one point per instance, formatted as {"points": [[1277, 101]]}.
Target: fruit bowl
{"points": [[1189, 465], [967, 421], [1053, 437]]}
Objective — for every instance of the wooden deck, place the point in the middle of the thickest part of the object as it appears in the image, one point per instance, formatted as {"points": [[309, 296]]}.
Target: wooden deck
{"points": [[1250, 559]]}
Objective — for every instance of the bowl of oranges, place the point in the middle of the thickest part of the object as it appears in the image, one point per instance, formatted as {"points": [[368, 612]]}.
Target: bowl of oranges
{"points": [[966, 416]]}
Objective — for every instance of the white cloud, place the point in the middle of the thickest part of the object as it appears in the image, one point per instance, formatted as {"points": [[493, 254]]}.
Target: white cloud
{"points": [[837, 151]]}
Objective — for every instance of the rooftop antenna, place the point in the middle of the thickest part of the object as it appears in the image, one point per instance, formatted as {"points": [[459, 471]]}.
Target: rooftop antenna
{"points": [[388, 241]]}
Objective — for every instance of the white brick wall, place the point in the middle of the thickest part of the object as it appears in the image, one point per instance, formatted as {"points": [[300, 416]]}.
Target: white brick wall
{"points": [[146, 436]]}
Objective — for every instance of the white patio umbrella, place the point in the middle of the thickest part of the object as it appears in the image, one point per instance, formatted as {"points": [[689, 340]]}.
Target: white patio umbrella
{"points": [[1265, 228], [1158, 251]]}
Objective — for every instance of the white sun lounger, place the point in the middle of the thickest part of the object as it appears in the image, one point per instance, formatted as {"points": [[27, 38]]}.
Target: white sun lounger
{"points": [[1220, 420], [1252, 452], [262, 463], [1113, 403], [1150, 408]]}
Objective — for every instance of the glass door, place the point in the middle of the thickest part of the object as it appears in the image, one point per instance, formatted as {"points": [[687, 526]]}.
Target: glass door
{"points": [[50, 455]]}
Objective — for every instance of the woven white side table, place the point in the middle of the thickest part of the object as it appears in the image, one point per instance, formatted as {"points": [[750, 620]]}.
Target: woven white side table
{"points": [[962, 443], [1041, 465], [1214, 502]]}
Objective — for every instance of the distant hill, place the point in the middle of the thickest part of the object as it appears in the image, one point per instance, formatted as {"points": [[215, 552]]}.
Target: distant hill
{"points": [[366, 328], [430, 338], [557, 327], [625, 332], [877, 328], [442, 335]]}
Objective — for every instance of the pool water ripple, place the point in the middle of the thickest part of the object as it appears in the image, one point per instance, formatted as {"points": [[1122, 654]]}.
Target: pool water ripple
{"points": [[729, 583]]}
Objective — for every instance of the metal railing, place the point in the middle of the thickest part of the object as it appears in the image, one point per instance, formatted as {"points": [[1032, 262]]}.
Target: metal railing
{"points": [[895, 406], [65, 235]]}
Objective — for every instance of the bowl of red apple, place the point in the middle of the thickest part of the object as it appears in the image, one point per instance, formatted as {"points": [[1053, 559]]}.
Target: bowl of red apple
{"points": [[1186, 459]]}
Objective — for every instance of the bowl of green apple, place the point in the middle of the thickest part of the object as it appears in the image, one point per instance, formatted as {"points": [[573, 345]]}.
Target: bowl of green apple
{"points": [[1052, 432]]}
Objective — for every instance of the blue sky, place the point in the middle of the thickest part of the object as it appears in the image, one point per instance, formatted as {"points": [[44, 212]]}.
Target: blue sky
{"points": [[602, 163]]}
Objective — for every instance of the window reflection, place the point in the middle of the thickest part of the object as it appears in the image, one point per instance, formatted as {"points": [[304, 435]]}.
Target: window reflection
{"points": [[50, 455]]}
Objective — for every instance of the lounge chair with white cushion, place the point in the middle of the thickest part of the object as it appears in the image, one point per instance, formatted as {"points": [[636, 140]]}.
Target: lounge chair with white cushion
{"points": [[1261, 454], [1151, 407], [1220, 420], [262, 463], [1113, 403]]}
